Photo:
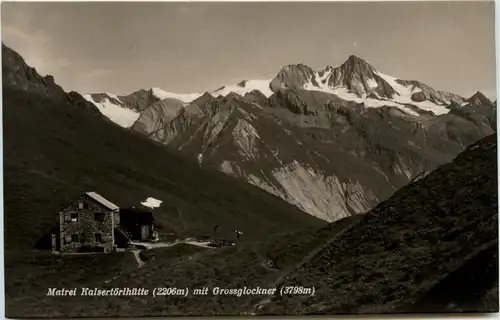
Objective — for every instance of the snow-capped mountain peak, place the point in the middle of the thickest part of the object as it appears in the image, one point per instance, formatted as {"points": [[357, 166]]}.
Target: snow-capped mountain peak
{"points": [[112, 107], [184, 97], [354, 80], [246, 86], [357, 65], [357, 80]]}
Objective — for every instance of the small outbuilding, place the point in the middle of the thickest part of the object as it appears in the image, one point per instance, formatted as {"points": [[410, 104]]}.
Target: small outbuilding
{"points": [[137, 224]]}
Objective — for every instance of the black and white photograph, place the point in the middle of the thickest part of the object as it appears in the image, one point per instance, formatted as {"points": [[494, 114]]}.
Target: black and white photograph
{"points": [[168, 159]]}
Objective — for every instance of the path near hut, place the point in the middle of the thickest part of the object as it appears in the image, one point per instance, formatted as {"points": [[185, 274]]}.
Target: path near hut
{"points": [[148, 246], [140, 263]]}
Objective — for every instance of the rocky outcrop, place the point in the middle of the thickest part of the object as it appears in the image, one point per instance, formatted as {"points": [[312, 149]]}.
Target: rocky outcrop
{"points": [[358, 77], [17, 74], [423, 92], [81, 103], [292, 77], [101, 97], [479, 99], [157, 116], [257, 97], [139, 100]]}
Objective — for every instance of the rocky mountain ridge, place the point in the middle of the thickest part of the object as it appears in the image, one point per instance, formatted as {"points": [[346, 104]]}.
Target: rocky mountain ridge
{"points": [[16, 73], [332, 142], [354, 80]]}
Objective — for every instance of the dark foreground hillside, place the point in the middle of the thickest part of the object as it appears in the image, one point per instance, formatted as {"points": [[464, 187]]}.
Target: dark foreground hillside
{"points": [[432, 247]]}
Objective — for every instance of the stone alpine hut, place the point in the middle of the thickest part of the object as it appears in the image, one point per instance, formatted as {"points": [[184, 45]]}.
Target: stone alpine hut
{"points": [[87, 223]]}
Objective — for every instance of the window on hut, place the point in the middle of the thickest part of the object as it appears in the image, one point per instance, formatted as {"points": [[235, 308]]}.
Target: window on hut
{"points": [[74, 237], [99, 216], [83, 205], [98, 237], [74, 216]]}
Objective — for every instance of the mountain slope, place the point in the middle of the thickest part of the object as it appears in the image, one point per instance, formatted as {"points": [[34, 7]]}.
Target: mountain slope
{"points": [[55, 148], [419, 251], [113, 108], [157, 115], [410, 246], [332, 142], [125, 110], [478, 99], [16, 73], [330, 157]]}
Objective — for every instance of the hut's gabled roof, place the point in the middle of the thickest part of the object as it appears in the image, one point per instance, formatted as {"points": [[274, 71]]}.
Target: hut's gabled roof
{"points": [[97, 197]]}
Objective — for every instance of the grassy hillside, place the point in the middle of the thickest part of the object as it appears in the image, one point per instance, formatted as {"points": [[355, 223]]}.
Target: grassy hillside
{"points": [[250, 264], [430, 247], [401, 250]]}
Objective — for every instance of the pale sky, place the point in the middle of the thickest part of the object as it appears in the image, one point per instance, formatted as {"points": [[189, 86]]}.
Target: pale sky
{"points": [[193, 47]]}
